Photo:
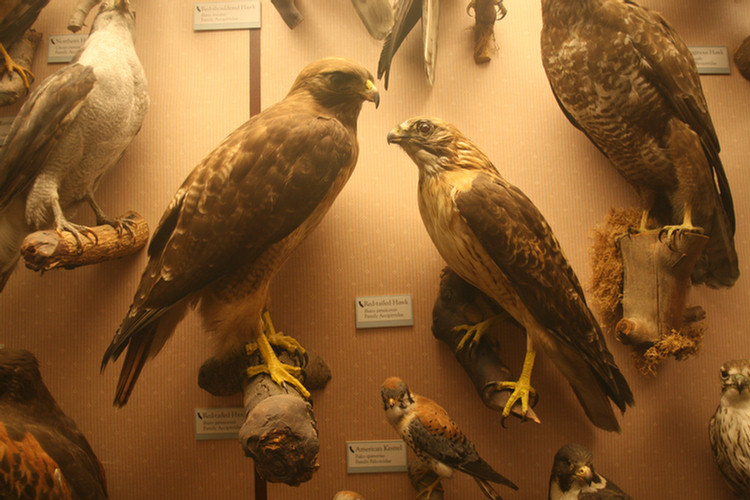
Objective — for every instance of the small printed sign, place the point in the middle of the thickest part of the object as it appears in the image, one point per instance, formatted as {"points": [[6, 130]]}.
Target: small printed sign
{"points": [[383, 311], [218, 423], [236, 15], [63, 48], [375, 456], [711, 60], [5, 123]]}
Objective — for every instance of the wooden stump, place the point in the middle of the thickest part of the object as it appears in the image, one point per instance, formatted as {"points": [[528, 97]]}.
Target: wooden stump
{"points": [[78, 17], [459, 303], [49, 249]]}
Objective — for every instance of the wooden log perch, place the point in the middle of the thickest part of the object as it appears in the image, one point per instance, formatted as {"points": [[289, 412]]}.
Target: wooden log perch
{"points": [[459, 303], [12, 87], [422, 476], [81, 10], [289, 13], [486, 12], [280, 432], [49, 249]]}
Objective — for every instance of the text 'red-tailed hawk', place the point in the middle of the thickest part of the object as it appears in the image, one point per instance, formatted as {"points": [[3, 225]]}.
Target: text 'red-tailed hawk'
{"points": [[625, 78], [494, 237], [240, 214]]}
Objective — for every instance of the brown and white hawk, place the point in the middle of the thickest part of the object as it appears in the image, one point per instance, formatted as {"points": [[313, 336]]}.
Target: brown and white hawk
{"points": [[626, 79], [240, 214], [494, 237], [42, 452]]}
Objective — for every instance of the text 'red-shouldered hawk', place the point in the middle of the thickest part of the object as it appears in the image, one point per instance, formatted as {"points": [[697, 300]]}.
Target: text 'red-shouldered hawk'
{"points": [[625, 78], [240, 214], [494, 237]]}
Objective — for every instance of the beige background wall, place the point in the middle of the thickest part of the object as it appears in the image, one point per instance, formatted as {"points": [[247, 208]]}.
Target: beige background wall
{"points": [[372, 242]]}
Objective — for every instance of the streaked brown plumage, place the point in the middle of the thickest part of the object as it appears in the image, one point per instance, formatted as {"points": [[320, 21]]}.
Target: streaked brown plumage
{"points": [[42, 452], [625, 78], [240, 214], [494, 237]]}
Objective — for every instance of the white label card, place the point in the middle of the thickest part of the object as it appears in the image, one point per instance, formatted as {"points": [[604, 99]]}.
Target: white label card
{"points": [[383, 311], [375, 456], [63, 48], [218, 423], [236, 15], [711, 60]]}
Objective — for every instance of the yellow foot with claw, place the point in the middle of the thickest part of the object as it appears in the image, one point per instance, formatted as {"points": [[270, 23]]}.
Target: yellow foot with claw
{"points": [[289, 344], [521, 392], [475, 332], [426, 493]]}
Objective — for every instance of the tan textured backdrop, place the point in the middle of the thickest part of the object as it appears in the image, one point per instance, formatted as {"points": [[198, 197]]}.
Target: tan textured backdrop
{"points": [[371, 243]]}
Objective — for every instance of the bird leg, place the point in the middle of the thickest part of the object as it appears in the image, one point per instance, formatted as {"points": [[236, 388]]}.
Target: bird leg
{"points": [[278, 371], [77, 230], [522, 388], [119, 224], [687, 225], [11, 65], [426, 493], [474, 332]]}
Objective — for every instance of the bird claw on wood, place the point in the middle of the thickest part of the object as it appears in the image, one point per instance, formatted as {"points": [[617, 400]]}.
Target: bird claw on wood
{"points": [[51, 249], [78, 17], [22, 52], [289, 13], [486, 12], [422, 477], [459, 303]]}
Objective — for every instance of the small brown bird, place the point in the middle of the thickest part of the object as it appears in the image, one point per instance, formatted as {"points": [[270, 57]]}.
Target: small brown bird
{"points": [[42, 452], [729, 428], [240, 214], [573, 477], [435, 438], [495, 238]]}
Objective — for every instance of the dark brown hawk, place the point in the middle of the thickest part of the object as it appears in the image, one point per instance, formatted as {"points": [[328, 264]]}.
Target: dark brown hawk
{"points": [[17, 16], [240, 214], [494, 237], [625, 78], [42, 452]]}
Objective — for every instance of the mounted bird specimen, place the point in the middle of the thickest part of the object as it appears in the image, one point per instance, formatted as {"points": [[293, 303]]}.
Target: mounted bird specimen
{"points": [[496, 239], [17, 16], [573, 477], [42, 452], [436, 439], [729, 428], [73, 128], [626, 79], [240, 214]]}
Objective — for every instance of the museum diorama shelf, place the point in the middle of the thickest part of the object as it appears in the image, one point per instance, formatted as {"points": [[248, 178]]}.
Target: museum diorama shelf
{"points": [[372, 242]]}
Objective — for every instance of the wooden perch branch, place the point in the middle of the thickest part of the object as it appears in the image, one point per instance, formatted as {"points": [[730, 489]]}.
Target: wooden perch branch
{"points": [[49, 249], [280, 432], [289, 13], [12, 87], [459, 303], [78, 17], [486, 13]]}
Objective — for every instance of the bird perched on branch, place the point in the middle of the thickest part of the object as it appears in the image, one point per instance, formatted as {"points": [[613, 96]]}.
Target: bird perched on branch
{"points": [[494, 237], [573, 477], [435, 438], [72, 129], [240, 214], [729, 428], [42, 452], [626, 79], [17, 16]]}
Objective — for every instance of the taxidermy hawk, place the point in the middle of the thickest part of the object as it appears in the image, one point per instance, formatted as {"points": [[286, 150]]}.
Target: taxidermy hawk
{"points": [[729, 428], [494, 237], [573, 477], [42, 452], [436, 439], [239, 215], [623, 76], [72, 129], [16, 17]]}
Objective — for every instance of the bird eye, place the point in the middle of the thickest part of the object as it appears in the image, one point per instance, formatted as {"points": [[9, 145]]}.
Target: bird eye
{"points": [[338, 79], [724, 373], [424, 128]]}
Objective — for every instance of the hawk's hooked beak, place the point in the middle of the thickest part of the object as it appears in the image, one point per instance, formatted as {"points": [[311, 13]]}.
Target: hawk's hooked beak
{"points": [[396, 136], [740, 382], [372, 94], [585, 474]]}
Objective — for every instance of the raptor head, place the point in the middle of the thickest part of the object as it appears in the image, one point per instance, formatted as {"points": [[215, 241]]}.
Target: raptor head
{"points": [[397, 400], [735, 382], [573, 468]]}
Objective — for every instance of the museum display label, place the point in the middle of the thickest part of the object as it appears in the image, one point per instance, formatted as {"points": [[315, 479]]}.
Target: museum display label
{"points": [[63, 48], [711, 59], [218, 423], [383, 311], [375, 456], [237, 15]]}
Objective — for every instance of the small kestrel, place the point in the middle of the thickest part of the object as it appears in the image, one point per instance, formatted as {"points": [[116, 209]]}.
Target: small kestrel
{"points": [[573, 477], [729, 429], [435, 438]]}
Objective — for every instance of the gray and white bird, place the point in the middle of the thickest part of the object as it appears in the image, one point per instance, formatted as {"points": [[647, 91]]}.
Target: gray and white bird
{"points": [[436, 439], [73, 128], [729, 428], [573, 477]]}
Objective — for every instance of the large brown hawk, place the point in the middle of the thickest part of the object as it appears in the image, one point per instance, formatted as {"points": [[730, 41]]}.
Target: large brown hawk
{"points": [[240, 214], [42, 452], [623, 76], [494, 237]]}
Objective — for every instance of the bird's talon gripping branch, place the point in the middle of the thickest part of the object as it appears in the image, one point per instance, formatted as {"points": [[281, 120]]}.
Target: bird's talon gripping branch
{"points": [[278, 371], [475, 332], [521, 388]]}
